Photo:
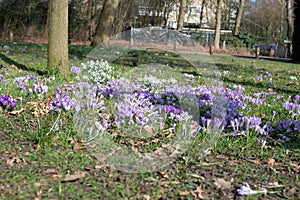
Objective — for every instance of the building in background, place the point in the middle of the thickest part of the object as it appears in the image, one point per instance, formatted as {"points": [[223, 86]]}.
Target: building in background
{"points": [[165, 14]]}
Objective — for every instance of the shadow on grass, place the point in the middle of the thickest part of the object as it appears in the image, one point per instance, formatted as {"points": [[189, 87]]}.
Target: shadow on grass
{"points": [[277, 59], [80, 51], [21, 66], [136, 58], [260, 85], [292, 145], [283, 89]]}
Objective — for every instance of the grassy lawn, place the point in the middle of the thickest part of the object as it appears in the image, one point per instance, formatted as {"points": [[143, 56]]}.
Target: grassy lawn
{"points": [[42, 155]]}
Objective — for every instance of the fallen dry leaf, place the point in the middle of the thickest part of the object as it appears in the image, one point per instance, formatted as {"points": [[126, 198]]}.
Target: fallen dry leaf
{"points": [[149, 129], [146, 197], [40, 107], [78, 146], [184, 193], [271, 161], [13, 160], [222, 183], [71, 141], [197, 176], [56, 176], [198, 193], [164, 175], [292, 191], [292, 83], [16, 112], [273, 183], [90, 167], [268, 147], [73, 177], [50, 171], [296, 166], [37, 184]]}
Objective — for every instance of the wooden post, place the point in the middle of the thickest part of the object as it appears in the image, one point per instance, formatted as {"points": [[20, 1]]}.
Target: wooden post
{"points": [[131, 39], [175, 45], [272, 52], [224, 45], [211, 49], [257, 50]]}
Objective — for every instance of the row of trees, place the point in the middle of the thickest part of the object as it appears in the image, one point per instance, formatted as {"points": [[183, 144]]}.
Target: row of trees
{"points": [[269, 18], [112, 17], [27, 19]]}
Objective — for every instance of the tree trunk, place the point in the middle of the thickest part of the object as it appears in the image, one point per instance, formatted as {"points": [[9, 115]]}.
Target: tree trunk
{"points": [[58, 37], [218, 25], [290, 18], [89, 20], [239, 17], [296, 34], [105, 24], [281, 2], [181, 15], [166, 13], [121, 14], [201, 12]]}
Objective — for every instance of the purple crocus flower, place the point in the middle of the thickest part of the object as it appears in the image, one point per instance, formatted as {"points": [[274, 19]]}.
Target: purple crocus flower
{"points": [[262, 141], [67, 102], [75, 70], [244, 190], [297, 98], [270, 85], [6, 100], [205, 96], [259, 78], [289, 127], [40, 88], [55, 104], [293, 108], [13, 103], [169, 109], [258, 100], [1, 77], [23, 80], [22, 87]]}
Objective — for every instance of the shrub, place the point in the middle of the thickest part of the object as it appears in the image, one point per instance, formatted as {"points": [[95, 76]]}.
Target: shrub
{"points": [[244, 39]]}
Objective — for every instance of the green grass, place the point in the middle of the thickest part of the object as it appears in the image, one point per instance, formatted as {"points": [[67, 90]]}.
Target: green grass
{"points": [[34, 164]]}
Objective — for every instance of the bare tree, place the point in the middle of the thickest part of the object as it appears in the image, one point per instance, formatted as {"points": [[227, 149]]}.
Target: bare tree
{"points": [[89, 13], [296, 34], [201, 12], [182, 11], [282, 5], [262, 19], [105, 24], [239, 16], [58, 37], [218, 24], [290, 18], [126, 14]]}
